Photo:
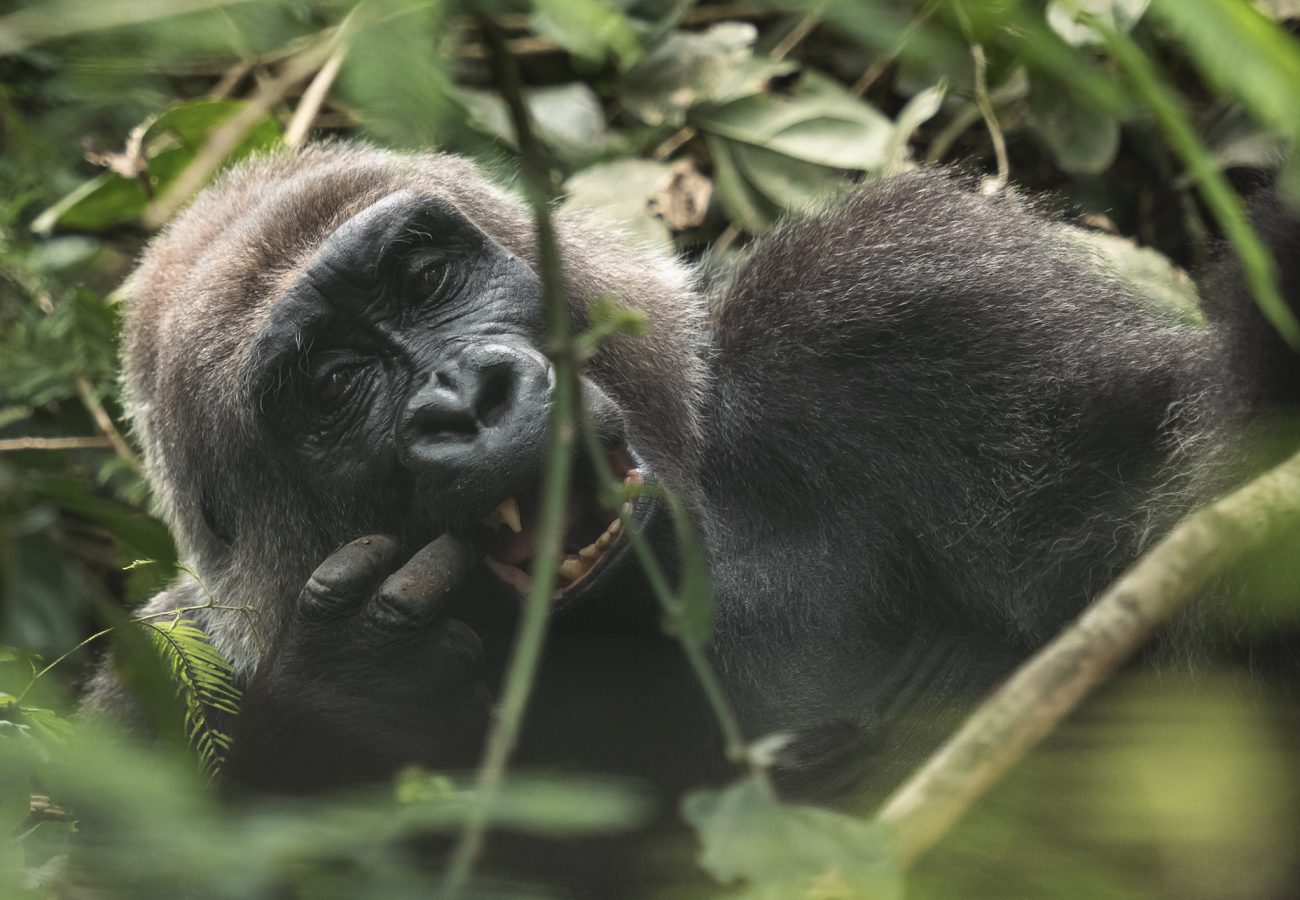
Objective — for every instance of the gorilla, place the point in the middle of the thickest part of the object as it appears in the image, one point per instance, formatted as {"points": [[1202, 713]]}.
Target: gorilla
{"points": [[917, 430]]}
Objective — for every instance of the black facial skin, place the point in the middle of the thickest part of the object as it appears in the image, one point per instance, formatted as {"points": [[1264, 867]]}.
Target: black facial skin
{"points": [[405, 359], [919, 432]]}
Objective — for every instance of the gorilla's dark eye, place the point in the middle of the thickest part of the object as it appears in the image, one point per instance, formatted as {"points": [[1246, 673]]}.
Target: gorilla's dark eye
{"points": [[330, 387], [428, 277]]}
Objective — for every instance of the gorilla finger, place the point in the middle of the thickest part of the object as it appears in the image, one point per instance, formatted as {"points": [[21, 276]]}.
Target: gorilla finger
{"points": [[349, 575], [418, 592], [454, 652]]}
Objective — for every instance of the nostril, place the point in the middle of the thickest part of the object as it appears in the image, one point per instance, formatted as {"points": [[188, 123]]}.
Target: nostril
{"points": [[436, 425], [494, 395]]}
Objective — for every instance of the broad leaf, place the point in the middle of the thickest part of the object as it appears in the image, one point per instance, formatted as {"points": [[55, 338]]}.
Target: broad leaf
{"points": [[785, 851], [818, 122], [1083, 139], [619, 193], [589, 29], [1116, 15], [170, 144], [688, 69]]}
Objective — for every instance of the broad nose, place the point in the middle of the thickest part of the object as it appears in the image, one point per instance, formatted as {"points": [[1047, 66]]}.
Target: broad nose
{"points": [[485, 407]]}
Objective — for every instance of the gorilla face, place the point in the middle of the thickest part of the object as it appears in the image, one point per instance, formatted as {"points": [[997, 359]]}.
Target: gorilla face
{"points": [[404, 369]]}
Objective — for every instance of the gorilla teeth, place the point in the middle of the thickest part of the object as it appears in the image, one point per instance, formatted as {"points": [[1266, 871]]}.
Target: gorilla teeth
{"points": [[574, 568], [506, 513], [509, 513]]}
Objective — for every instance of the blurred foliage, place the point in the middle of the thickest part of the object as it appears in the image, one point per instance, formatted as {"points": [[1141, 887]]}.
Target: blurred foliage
{"points": [[697, 125]]}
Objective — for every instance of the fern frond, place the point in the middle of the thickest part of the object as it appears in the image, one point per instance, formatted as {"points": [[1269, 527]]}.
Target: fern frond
{"points": [[204, 682]]}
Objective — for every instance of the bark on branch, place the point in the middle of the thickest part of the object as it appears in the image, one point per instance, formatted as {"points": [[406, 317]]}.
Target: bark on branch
{"points": [[1044, 690]]}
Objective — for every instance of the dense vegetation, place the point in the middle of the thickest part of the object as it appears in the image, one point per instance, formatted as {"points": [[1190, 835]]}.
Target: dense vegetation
{"points": [[699, 125]]}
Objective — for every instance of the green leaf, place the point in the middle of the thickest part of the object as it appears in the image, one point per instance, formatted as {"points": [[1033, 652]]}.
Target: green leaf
{"points": [[15, 803], [589, 29], [618, 193], [191, 123], [1242, 53], [1116, 15], [743, 203], [170, 145], [780, 850], [1083, 139], [688, 69], [923, 106], [1151, 275], [47, 724], [204, 682], [818, 121], [792, 184], [567, 117]]}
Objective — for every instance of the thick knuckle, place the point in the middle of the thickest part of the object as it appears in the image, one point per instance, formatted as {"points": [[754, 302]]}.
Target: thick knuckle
{"points": [[350, 572]]}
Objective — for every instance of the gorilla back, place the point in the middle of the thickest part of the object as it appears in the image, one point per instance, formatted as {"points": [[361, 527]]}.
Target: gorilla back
{"points": [[918, 431]]}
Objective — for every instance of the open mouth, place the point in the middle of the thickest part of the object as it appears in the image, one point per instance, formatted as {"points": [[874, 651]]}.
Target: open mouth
{"points": [[593, 534]]}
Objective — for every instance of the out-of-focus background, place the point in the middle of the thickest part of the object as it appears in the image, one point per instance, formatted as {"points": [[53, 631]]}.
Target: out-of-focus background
{"points": [[697, 125]]}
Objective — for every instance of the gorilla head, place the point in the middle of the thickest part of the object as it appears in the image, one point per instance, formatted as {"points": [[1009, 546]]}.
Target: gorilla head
{"points": [[351, 342]]}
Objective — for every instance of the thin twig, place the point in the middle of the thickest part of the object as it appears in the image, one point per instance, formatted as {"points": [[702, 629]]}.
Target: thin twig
{"points": [[1046, 688], [798, 34], [881, 64], [983, 102], [229, 79], [314, 97], [90, 401], [657, 579], [40, 808], [990, 117], [728, 237], [674, 143], [104, 422], [11, 445], [530, 638]]}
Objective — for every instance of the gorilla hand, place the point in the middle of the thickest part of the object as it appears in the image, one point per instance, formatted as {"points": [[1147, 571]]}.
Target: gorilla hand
{"points": [[368, 674]]}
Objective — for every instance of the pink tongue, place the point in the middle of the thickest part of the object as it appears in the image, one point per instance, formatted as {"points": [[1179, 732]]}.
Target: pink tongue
{"points": [[522, 547], [519, 550]]}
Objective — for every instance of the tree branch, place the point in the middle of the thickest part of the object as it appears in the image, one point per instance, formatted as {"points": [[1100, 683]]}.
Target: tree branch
{"points": [[1046, 688]]}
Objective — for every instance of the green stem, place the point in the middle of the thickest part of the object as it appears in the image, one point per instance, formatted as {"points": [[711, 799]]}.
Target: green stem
{"points": [[1255, 258], [531, 635], [670, 603]]}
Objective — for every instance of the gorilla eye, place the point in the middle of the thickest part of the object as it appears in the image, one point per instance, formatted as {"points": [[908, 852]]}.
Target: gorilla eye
{"points": [[428, 278], [331, 386]]}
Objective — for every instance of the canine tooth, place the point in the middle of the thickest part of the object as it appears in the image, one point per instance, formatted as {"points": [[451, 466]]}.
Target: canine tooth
{"points": [[627, 509], [509, 513], [614, 528], [573, 568], [589, 552]]}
